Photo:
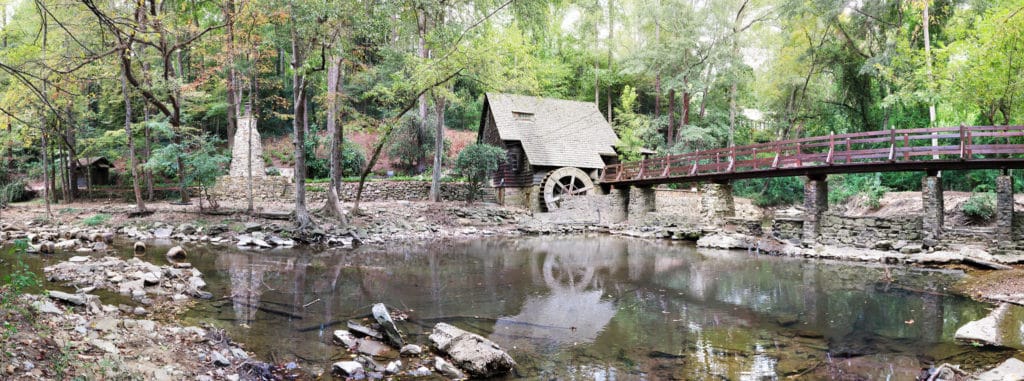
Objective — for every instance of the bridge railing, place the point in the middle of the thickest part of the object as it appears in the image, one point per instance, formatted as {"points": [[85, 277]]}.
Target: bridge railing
{"points": [[950, 143]]}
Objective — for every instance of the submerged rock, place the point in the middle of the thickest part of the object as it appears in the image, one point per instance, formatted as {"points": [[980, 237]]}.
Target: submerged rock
{"points": [[391, 334], [1011, 369], [447, 369], [176, 253], [409, 350], [347, 368], [480, 357], [139, 247], [984, 330]]}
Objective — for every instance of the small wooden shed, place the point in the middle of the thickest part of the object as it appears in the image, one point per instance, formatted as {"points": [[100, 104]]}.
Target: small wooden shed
{"points": [[555, 148], [93, 170]]}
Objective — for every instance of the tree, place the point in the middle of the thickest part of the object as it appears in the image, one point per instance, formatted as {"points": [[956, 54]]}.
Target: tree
{"points": [[476, 162]]}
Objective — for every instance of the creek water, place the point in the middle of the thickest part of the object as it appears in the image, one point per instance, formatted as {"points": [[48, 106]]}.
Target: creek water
{"points": [[600, 307]]}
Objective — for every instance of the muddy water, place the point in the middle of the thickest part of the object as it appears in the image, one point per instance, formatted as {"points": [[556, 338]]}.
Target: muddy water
{"points": [[603, 308]]}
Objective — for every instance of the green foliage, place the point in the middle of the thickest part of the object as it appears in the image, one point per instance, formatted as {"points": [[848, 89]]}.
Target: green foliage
{"points": [[980, 207], [353, 159], [636, 132], [11, 191], [96, 219], [475, 163], [20, 279], [775, 191], [844, 187], [203, 161]]}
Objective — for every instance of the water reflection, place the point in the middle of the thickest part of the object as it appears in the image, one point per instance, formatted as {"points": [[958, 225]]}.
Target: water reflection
{"points": [[605, 308]]}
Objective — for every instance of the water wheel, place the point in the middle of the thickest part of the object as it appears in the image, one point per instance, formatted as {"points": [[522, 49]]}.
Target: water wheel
{"points": [[563, 183]]}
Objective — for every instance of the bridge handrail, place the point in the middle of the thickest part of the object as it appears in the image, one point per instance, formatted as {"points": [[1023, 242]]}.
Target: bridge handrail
{"points": [[854, 148]]}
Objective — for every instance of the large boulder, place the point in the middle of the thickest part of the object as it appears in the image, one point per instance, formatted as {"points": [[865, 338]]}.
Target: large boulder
{"points": [[1011, 369], [476, 355], [985, 330], [387, 325], [723, 241]]}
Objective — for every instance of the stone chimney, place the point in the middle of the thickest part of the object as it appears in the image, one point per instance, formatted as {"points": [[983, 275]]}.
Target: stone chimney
{"points": [[245, 134]]}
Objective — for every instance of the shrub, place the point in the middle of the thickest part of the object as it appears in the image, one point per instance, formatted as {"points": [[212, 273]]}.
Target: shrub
{"points": [[773, 191], [96, 219], [475, 163], [980, 207], [20, 279]]}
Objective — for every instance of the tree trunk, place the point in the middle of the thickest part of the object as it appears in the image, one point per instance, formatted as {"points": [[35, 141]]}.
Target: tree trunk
{"points": [[46, 166], [232, 99], [334, 130], [148, 152], [669, 136], [435, 183], [423, 53], [657, 76], [303, 221], [684, 118], [139, 205], [178, 131]]}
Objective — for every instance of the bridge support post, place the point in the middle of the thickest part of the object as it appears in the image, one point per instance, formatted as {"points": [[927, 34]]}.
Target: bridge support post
{"points": [[1004, 207], [716, 203], [618, 206], [931, 196], [641, 202], [815, 205]]}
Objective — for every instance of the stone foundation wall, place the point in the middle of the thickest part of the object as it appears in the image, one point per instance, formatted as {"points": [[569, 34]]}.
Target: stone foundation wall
{"points": [[788, 229], [590, 209], [268, 188], [868, 231], [526, 197], [279, 189]]}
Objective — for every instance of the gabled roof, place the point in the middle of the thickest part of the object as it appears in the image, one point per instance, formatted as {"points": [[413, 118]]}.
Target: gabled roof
{"points": [[553, 132], [98, 161]]}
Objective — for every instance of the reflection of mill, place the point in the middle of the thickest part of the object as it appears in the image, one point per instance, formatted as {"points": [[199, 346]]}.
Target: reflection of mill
{"points": [[573, 310]]}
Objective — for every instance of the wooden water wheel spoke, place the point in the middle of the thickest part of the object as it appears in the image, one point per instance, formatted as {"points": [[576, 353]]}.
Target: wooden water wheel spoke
{"points": [[563, 183]]}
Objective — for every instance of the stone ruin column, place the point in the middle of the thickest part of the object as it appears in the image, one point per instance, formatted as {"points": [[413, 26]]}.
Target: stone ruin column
{"points": [[934, 209], [240, 151], [1004, 207], [815, 205], [716, 203]]}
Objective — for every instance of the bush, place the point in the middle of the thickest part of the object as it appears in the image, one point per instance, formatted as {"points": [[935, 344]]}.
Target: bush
{"points": [[353, 159], [475, 163], [773, 191], [20, 279], [96, 219], [980, 207]]}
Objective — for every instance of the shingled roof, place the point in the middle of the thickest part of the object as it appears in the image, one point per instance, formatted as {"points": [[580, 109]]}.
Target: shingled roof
{"points": [[553, 132]]}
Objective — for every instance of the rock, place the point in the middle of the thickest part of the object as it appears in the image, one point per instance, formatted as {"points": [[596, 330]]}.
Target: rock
{"points": [[219, 359], [253, 227], [104, 324], [261, 243], [1011, 369], [393, 367], [99, 246], [176, 253], [186, 229], [162, 233], [139, 311], [911, 248], [66, 244], [882, 245], [391, 334], [79, 259], [347, 368], [139, 247], [238, 353], [76, 299], [368, 346], [47, 307], [447, 369], [480, 357], [420, 372], [104, 345], [151, 278], [345, 338], [364, 330], [721, 241], [984, 330], [411, 350]]}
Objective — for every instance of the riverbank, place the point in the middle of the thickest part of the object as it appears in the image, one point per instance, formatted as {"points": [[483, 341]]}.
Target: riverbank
{"points": [[381, 224]]}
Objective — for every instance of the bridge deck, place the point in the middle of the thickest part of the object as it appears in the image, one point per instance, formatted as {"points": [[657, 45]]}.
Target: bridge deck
{"points": [[955, 148]]}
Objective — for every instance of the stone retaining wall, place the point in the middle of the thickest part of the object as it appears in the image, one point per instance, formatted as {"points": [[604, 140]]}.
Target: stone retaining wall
{"points": [[279, 189], [788, 229], [868, 231]]}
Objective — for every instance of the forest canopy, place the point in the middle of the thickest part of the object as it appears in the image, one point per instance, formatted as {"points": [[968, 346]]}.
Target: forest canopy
{"points": [[149, 83]]}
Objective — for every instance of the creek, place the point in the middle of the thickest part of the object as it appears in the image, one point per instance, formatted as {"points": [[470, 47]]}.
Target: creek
{"points": [[598, 307]]}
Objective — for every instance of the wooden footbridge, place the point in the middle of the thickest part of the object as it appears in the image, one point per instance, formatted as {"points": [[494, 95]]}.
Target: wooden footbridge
{"points": [[955, 148]]}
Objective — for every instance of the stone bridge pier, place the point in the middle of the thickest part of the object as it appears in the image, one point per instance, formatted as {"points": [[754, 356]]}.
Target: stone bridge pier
{"points": [[933, 206], [641, 202], [1004, 207], [716, 203], [815, 206]]}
